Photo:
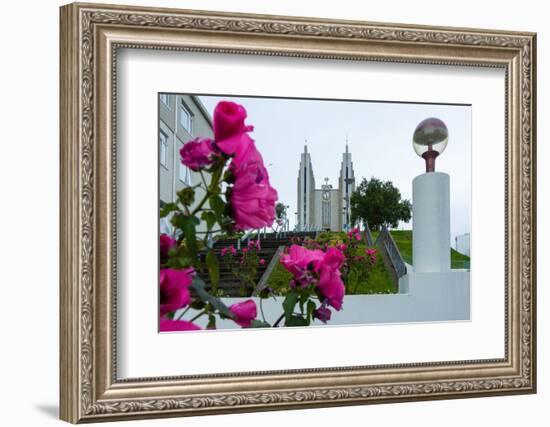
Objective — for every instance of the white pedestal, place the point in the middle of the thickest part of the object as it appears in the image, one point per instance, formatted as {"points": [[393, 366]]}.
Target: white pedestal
{"points": [[431, 223]]}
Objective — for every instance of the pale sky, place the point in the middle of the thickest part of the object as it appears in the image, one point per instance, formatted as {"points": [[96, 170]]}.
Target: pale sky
{"points": [[379, 137]]}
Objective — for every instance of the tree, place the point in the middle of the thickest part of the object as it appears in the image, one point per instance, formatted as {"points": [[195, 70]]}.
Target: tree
{"points": [[379, 203]]}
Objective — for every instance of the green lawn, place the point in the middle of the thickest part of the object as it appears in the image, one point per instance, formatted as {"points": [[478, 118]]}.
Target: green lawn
{"points": [[403, 240]]}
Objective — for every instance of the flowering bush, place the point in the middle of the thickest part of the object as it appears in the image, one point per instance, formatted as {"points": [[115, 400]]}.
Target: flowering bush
{"points": [[243, 264], [236, 195]]}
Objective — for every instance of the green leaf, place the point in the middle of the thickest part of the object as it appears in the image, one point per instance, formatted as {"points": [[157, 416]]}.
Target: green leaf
{"points": [[211, 322], [198, 287], [296, 321], [213, 269], [187, 225], [289, 303], [167, 208], [259, 324], [217, 205], [310, 309], [210, 218]]}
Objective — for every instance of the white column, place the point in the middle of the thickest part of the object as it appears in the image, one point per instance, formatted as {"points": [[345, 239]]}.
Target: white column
{"points": [[431, 223]]}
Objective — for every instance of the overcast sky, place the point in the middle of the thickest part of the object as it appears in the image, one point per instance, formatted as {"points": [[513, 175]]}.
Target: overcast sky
{"points": [[379, 137]]}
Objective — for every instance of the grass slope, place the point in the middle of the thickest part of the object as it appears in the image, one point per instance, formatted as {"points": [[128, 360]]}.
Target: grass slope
{"points": [[403, 240]]}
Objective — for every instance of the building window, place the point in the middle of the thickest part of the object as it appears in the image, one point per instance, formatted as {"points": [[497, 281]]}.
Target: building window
{"points": [[184, 174], [163, 148], [165, 98], [186, 118]]}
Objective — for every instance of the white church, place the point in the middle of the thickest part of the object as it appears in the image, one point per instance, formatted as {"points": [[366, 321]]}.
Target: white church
{"points": [[328, 207]]}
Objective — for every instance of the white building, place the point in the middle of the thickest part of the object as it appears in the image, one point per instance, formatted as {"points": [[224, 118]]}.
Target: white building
{"points": [[325, 208]]}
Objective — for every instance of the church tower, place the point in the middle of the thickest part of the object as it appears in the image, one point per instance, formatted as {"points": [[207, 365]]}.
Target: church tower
{"points": [[306, 192], [347, 187]]}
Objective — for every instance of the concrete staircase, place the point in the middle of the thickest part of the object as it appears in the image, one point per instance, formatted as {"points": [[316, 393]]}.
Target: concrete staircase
{"points": [[230, 285]]}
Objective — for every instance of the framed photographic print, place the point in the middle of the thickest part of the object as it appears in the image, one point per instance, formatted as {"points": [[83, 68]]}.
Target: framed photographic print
{"points": [[266, 212]]}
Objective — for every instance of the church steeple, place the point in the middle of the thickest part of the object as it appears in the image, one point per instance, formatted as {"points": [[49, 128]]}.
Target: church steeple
{"points": [[347, 186], [306, 191]]}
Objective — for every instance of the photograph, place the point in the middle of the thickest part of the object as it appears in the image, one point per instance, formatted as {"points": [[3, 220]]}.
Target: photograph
{"points": [[300, 212], [261, 211]]}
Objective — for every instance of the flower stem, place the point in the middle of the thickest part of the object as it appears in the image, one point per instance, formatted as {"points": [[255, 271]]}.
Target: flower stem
{"points": [[198, 315], [279, 320], [184, 311], [262, 311]]}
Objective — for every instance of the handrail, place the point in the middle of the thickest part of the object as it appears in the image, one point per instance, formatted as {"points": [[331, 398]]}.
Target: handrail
{"points": [[368, 235], [385, 239], [262, 283]]}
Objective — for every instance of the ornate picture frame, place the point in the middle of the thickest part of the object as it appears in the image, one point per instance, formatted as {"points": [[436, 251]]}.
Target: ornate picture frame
{"points": [[90, 37]]}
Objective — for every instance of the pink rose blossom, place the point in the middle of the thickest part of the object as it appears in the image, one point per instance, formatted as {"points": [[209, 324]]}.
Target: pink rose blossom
{"points": [[232, 250], [252, 197], [333, 259], [332, 287], [298, 259], [223, 251], [255, 244], [229, 120], [167, 325], [166, 243], [323, 313], [242, 148], [174, 289], [198, 153], [245, 312], [343, 247], [262, 261], [244, 250], [303, 262], [371, 253]]}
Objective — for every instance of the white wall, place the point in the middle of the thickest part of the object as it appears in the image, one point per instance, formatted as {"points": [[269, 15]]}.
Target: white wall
{"points": [[29, 218]]}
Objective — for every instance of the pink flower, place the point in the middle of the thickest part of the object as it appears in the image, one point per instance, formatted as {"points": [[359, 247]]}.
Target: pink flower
{"points": [[254, 244], [303, 262], [252, 197], [242, 148], [244, 250], [371, 253], [245, 312], [229, 120], [174, 289], [167, 325], [343, 247], [299, 259], [262, 261], [323, 314], [166, 243], [223, 251], [198, 153], [232, 250], [333, 259], [332, 287]]}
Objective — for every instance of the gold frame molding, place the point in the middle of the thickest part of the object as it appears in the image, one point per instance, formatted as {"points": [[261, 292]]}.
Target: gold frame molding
{"points": [[90, 36]]}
